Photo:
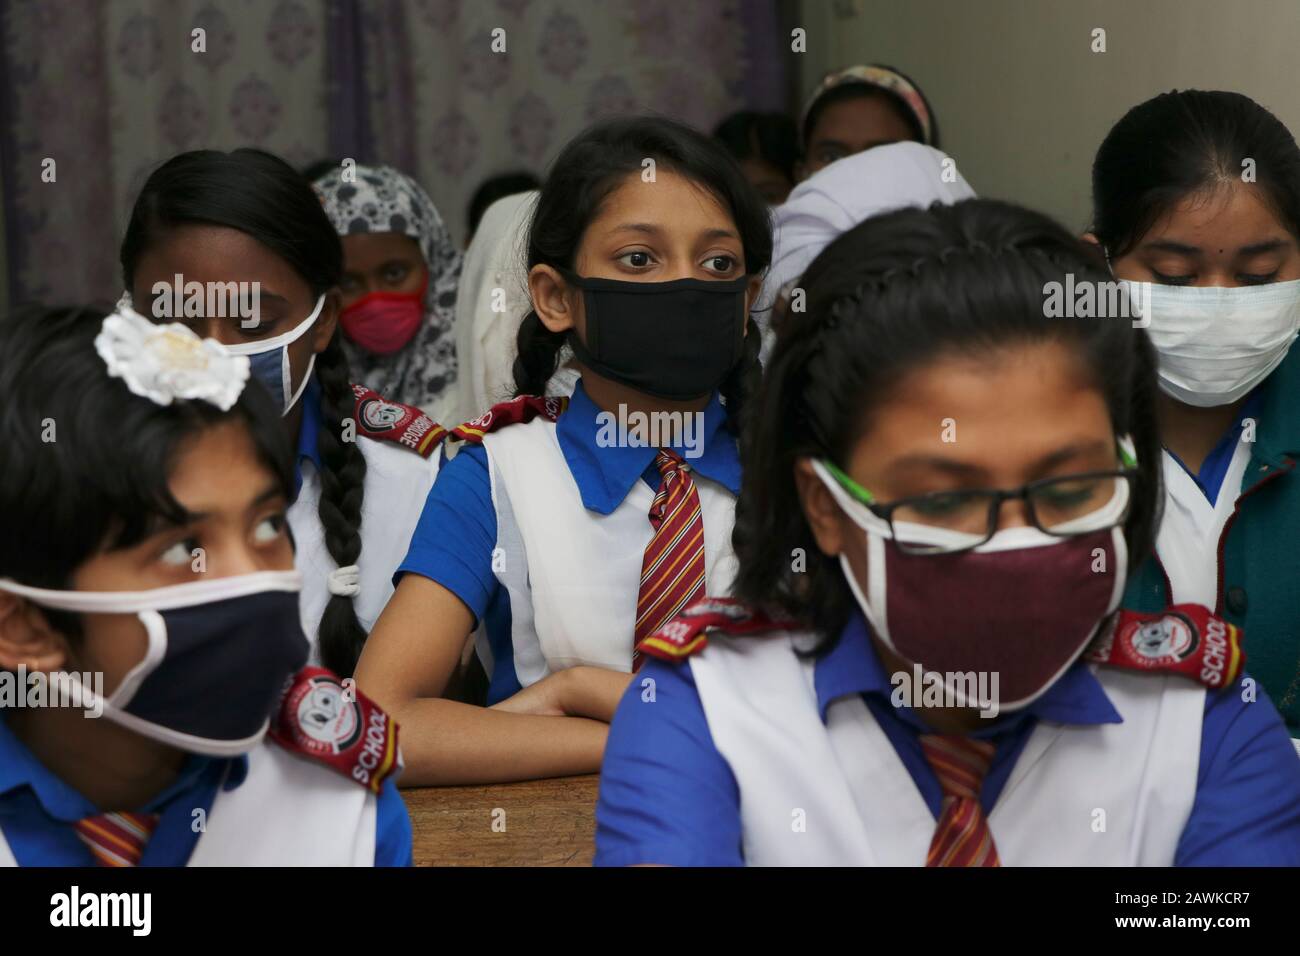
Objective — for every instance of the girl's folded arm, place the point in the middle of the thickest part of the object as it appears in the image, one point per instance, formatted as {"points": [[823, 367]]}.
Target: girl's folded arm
{"points": [[409, 657]]}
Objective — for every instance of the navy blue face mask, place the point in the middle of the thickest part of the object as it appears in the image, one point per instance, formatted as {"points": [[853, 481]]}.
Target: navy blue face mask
{"points": [[270, 365], [268, 359], [219, 655], [676, 340]]}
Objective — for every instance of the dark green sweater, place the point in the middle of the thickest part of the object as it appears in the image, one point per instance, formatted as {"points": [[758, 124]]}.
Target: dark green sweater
{"points": [[1259, 551]]}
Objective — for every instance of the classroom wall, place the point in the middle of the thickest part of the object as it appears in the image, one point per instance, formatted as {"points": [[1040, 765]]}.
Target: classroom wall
{"points": [[1022, 100]]}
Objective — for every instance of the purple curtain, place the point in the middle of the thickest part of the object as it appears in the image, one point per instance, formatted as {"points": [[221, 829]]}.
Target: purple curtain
{"points": [[107, 92]]}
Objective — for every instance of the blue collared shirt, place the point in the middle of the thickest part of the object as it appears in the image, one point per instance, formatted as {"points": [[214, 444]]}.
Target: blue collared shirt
{"points": [[309, 432], [457, 532], [1215, 467], [668, 796], [38, 811]]}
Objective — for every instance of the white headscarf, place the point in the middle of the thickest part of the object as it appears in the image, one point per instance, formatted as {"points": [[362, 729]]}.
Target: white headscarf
{"points": [[492, 301], [835, 199]]}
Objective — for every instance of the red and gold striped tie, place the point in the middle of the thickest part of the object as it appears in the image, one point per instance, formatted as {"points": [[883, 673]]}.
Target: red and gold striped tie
{"points": [[962, 837], [672, 572], [117, 839]]}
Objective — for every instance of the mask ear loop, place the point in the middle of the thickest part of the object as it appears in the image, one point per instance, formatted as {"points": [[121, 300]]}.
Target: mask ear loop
{"points": [[875, 609], [286, 367], [287, 371]]}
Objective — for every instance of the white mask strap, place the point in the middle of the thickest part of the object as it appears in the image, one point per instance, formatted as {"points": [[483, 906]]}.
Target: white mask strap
{"points": [[285, 338], [256, 348], [157, 599], [302, 386], [857, 512], [114, 710]]}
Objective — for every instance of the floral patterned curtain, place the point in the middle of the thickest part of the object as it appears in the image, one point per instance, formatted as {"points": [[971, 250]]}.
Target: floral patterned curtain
{"points": [[107, 91]]}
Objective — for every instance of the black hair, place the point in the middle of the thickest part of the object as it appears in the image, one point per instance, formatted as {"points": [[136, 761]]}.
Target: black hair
{"points": [[263, 197], [318, 168], [866, 91], [1181, 143], [587, 170], [498, 187], [770, 137], [87, 464], [889, 295]]}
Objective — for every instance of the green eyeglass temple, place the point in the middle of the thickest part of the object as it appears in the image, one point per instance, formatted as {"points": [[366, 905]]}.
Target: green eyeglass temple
{"points": [[1126, 458], [851, 486]]}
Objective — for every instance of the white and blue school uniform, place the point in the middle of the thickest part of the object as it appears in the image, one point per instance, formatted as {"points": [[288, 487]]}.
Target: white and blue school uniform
{"points": [[541, 532], [1198, 561], [1197, 509], [397, 483], [267, 808], [748, 754]]}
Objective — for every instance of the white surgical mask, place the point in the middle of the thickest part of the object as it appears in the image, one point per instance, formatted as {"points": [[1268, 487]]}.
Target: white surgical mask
{"points": [[1215, 343]]}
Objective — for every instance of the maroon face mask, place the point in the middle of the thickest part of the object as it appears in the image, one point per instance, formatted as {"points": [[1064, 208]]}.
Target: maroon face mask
{"points": [[1021, 608]]}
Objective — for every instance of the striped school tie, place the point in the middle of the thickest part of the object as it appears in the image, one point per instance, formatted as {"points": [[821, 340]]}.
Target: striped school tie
{"points": [[962, 836], [117, 839], [672, 572]]}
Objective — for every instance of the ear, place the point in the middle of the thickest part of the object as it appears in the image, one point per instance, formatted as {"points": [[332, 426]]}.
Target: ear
{"points": [[326, 322], [1091, 237], [26, 637], [819, 508], [553, 300]]}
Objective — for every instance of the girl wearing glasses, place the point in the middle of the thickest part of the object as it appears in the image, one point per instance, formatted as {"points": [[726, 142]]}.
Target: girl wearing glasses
{"points": [[944, 491]]}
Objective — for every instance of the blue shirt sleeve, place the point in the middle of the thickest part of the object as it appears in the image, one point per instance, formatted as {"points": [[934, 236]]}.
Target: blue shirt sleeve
{"points": [[457, 532], [667, 796], [392, 828], [1247, 809]]}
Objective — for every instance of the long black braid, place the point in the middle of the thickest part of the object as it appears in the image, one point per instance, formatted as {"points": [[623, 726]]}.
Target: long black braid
{"points": [[342, 490], [537, 355]]}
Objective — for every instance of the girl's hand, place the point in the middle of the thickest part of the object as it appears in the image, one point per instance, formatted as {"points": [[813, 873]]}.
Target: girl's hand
{"points": [[592, 692], [542, 699]]}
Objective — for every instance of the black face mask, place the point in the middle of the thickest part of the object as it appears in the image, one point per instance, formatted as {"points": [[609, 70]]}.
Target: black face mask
{"points": [[675, 340]]}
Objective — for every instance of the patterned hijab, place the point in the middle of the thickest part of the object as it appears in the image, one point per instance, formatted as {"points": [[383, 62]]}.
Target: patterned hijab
{"points": [[385, 200]]}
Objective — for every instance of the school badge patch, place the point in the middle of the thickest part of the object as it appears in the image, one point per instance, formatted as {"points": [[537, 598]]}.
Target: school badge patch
{"points": [[378, 418], [1184, 639], [688, 632], [322, 718], [514, 412]]}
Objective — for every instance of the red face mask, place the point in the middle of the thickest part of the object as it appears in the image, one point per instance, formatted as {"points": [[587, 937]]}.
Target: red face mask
{"points": [[384, 322]]}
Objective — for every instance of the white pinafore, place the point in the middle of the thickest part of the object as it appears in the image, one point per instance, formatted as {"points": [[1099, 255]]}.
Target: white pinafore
{"points": [[289, 811], [573, 575], [837, 793], [396, 485]]}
